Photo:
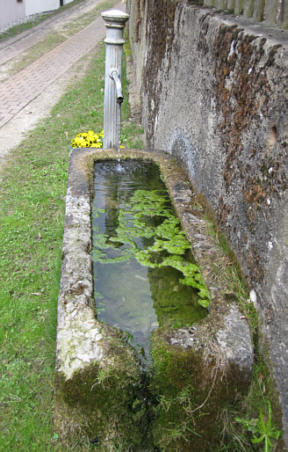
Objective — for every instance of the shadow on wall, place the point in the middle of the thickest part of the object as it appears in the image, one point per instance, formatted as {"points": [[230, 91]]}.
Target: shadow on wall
{"points": [[183, 149]]}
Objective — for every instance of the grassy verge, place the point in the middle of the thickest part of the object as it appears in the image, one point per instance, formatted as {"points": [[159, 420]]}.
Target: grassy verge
{"points": [[16, 29], [33, 187], [56, 37], [242, 426]]}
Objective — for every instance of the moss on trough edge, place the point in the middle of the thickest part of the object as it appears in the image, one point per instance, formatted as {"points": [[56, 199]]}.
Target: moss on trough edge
{"points": [[98, 399], [196, 371]]}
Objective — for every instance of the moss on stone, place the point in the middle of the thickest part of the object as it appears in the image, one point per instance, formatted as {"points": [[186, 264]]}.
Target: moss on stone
{"points": [[188, 389], [104, 400], [191, 395]]}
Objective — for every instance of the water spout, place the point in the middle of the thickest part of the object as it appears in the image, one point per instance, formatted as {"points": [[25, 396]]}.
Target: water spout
{"points": [[115, 22], [118, 85]]}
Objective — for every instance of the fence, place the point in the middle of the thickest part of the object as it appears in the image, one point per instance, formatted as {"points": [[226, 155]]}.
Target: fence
{"points": [[271, 11]]}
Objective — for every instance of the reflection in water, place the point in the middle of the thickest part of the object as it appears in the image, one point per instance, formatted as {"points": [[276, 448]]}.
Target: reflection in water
{"points": [[133, 297]]}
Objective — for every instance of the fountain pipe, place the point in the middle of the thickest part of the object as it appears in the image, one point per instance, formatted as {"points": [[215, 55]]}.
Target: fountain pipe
{"points": [[118, 85], [115, 22]]}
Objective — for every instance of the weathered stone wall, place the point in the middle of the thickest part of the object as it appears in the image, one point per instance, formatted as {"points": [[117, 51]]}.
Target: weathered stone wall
{"points": [[213, 90]]}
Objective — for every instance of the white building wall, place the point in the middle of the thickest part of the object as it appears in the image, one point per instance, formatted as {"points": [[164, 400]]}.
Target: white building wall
{"points": [[11, 12], [40, 6]]}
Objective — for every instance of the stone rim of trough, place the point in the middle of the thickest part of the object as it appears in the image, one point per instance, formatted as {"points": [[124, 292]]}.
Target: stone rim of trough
{"points": [[223, 336]]}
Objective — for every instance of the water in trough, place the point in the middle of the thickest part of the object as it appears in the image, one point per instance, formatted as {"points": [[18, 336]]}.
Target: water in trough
{"points": [[140, 255]]}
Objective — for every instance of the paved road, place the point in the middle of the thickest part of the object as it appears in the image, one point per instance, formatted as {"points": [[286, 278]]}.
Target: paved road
{"points": [[26, 85], [14, 46]]}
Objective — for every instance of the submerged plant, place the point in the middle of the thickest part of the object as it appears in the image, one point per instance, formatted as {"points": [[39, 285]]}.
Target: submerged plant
{"points": [[262, 430], [148, 217]]}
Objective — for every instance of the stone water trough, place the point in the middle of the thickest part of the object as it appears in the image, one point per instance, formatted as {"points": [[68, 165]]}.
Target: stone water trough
{"points": [[98, 383]]}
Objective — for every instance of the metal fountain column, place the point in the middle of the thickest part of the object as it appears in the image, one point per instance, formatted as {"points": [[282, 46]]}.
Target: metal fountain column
{"points": [[115, 22]]}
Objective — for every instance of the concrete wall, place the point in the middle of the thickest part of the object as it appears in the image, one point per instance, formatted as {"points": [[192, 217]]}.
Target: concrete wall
{"points": [[11, 12], [212, 90], [39, 6]]}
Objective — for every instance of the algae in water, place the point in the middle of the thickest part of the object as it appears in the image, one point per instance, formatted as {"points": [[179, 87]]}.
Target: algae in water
{"points": [[144, 274]]}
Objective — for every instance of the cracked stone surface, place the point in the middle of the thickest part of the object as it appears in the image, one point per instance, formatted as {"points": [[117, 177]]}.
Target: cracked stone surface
{"points": [[80, 339]]}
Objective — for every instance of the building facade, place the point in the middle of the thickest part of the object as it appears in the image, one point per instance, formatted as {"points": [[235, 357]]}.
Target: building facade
{"points": [[13, 12]]}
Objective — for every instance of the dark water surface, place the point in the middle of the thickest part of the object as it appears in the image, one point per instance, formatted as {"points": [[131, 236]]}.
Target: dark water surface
{"points": [[129, 295]]}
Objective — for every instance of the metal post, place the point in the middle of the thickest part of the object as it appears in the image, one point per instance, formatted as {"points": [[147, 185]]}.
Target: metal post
{"points": [[115, 22]]}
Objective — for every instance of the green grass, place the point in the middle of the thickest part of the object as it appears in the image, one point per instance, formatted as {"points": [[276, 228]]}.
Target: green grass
{"points": [[236, 436], [86, 18], [262, 391], [32, 206], [17, 29]]}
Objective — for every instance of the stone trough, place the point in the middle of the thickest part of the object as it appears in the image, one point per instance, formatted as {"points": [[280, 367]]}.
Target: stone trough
{"points": [[98, 383]]}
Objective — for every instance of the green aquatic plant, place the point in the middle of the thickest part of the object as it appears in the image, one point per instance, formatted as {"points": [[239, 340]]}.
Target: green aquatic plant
{"points": [[148, 217], [262, 430]]}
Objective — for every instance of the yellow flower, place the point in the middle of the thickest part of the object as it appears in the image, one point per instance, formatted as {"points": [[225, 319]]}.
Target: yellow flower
{"points": [[88, 139]]}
